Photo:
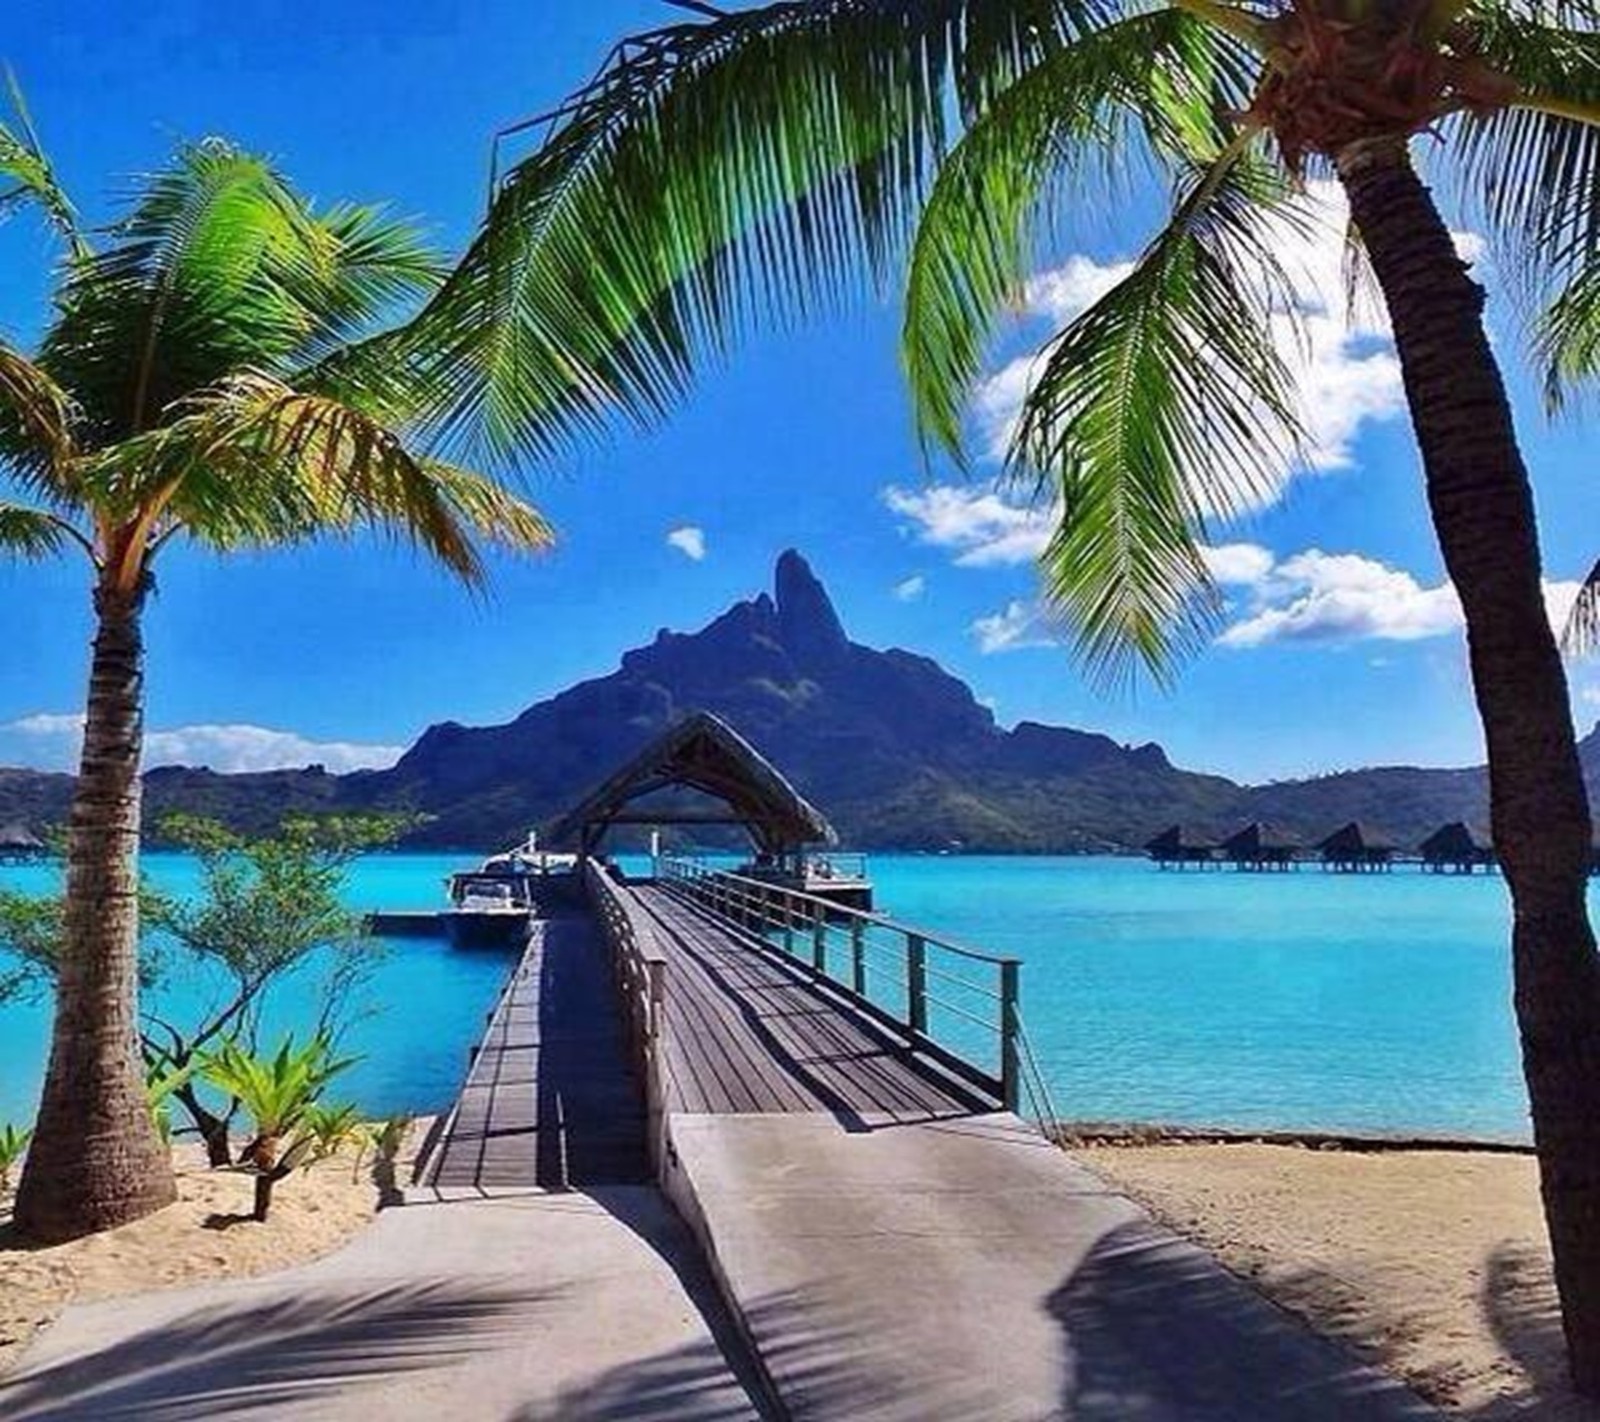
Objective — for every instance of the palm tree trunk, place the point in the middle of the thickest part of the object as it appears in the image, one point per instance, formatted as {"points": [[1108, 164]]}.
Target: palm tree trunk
{"points": [[95, 1160], [1482, 509]]}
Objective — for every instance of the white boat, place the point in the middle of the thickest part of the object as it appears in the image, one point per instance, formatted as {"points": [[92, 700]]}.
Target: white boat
{"points": [[496, 903]]}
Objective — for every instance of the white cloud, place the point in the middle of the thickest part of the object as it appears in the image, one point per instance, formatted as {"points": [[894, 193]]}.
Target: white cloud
{"points": [[689, 541], [1019, 625], [1238, 564], [909, 589], [1315, 596], [982, 528], [50, 741], [1327, 597], [1348, 374]]}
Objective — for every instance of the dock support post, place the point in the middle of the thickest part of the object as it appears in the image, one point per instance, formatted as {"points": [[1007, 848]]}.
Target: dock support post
{"points": [[917, 984], [819, 939], [1010, 1023], [858, 957]]}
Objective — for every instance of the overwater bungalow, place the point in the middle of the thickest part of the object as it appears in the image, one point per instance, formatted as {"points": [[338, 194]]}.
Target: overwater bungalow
{"points": [[1456, 849], [1352, 849], [19, 845], [1175, 848], [1258, 848]]}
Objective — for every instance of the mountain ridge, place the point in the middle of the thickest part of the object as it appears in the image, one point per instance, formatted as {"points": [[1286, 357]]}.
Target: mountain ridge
{"points": [[897, 751]]}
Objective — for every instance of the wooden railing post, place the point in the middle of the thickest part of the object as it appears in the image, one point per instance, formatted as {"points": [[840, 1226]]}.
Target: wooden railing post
{"points": [[858, 956], [788, 922], [819, 938], [1010, 1026], [917, 984]]}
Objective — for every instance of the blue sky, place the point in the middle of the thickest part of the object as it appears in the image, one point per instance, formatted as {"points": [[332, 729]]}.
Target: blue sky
{"points": [[1342, 646]]}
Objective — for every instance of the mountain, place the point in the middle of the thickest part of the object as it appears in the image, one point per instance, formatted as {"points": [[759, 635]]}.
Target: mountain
{"points": [[895, 750]]}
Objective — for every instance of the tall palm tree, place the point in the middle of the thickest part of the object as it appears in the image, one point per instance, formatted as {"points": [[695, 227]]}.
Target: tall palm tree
{"points": [[197, 381], [749, 164]]}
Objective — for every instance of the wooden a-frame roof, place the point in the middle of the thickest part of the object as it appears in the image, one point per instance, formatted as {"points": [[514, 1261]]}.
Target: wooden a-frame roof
{"points": [[705, 754]]}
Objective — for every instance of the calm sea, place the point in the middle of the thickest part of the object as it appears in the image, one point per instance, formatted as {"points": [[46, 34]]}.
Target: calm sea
{"points": [[1304, 1000]]}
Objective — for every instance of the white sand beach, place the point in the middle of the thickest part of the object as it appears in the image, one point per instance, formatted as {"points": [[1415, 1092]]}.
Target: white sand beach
{"points": [[1432, 1264]]}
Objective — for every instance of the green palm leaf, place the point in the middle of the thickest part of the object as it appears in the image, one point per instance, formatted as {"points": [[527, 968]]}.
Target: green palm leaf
{"points": [[745, 166], [1163, 75], [1164, 406]]}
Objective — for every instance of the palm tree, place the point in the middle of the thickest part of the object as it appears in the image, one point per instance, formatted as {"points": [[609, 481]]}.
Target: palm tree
{"points": [[197, 381], [749, 164]]}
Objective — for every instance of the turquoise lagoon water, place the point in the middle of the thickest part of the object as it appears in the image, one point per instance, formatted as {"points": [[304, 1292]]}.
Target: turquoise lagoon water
{"points": [[1304, 1000]]}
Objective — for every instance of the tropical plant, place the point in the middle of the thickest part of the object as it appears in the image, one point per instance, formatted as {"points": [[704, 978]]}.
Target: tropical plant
{"points": [[743, 164], [200, 378], [13, 1142], [282, 1095], [332, 1128], [266, 904]]}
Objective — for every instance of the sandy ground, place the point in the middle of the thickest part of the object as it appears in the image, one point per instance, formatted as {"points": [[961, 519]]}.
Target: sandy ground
{"points": [[1433, 1264], [208, 1234]]}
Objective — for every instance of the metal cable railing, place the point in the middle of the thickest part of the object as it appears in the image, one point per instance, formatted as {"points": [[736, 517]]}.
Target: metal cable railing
{"points": [[960, 1006]]}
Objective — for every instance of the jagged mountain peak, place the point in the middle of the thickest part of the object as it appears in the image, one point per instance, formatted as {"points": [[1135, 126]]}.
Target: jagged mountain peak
{"points": [[807, 622]]}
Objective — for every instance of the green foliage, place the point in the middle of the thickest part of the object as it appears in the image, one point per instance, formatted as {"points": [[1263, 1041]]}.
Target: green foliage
{"points": [[751, 164], [204, 376], [13, 1141], [33, 929], [331, 1129], [282, 1094]]}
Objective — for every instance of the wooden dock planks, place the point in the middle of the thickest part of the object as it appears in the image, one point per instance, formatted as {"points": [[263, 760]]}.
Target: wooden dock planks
{"points": [[550, 1101], [750, 1033]]}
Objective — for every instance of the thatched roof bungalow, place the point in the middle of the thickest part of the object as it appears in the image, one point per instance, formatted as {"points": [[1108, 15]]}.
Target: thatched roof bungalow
{"points": [[1456, 849], [18, 844], [1176, 848], [705, 755], [1353, 849], [1259, 846]]}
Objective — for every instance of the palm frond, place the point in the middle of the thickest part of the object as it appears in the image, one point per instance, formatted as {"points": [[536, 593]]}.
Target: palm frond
{"points": [[31, 533], [1581, 636], [37, 438], [1164, 406], [1029, 154], [220, 267], [753, 163], [26, 174], [1530, 174], [254, 462], [1567, 338]]}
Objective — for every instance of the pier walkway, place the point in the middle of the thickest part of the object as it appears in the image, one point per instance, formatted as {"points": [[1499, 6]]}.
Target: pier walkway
{"points": [[897, 1248]]}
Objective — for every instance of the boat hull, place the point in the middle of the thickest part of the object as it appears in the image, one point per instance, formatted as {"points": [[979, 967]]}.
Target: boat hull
{"points": [[466, 929]]}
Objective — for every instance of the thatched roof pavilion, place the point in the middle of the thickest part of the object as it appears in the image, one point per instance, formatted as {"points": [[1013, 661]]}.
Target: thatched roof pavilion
{"points": [[1259, 846], [1455, 847], [1353, 849], [18, 842], [706, 755], [1176, 847]]}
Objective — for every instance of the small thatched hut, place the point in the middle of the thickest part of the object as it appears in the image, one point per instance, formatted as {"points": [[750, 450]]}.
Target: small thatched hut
{"points": [[1175, 848], [19, 845], [1260, 847], [1351, 849], [1455, 849]]}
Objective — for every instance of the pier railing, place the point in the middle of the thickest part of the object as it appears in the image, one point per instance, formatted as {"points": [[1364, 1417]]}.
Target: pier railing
{"points": [[959, 1006], [641, 979]]}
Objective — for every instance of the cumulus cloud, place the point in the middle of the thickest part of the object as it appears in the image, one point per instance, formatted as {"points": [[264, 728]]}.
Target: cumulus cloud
{"points": [[50, 741], [981, 527], [1019, 625], [1315, 596], [689, 541], [909, 589], [1341, 353]]}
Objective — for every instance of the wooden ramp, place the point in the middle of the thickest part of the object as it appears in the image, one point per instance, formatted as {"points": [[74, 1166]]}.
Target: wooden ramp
{"points": [[749, 1032], [551, 1101]]}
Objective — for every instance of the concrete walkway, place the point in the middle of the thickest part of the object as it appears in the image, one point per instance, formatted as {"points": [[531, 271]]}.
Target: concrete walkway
{"points": [[568, 1307], [899, 1272]]}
